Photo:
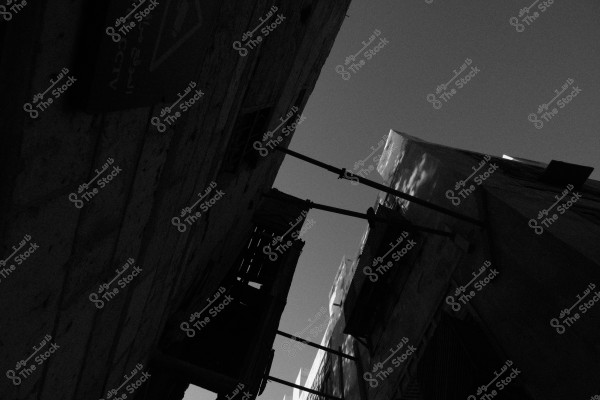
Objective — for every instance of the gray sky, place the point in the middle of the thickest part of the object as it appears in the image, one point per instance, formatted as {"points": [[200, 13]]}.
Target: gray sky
{"points": [[518, 71]]}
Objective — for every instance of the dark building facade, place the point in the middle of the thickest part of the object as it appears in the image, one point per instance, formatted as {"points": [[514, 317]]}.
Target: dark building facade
{"points": [[506, 307], [132, 175]]}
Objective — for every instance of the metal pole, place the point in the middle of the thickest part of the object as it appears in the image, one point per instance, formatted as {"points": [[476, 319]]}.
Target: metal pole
{"points": [[408, 226], [318, 346], [303, 388], [345, 174]]}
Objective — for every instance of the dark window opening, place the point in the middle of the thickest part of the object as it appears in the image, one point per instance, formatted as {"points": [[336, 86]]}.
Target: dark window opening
{"points": [[305, 14], [249, 127]]}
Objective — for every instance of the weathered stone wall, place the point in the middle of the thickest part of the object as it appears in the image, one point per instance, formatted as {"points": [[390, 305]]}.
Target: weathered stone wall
{"points": [[45, 159], [536, 276]]}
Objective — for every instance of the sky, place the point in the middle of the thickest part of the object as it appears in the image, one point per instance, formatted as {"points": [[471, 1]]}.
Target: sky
{"points": [[512, 74]]}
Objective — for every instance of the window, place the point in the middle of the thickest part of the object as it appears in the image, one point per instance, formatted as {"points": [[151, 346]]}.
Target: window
{"points": [[248, 128]]}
